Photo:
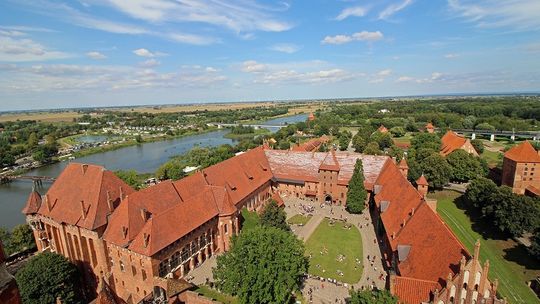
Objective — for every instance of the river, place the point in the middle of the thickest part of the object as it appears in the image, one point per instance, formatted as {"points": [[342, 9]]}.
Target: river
{"points": [[143, 158]]}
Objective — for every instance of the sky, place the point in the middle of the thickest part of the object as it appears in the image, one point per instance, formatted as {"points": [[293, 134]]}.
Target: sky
{"points": [[56, 54]]}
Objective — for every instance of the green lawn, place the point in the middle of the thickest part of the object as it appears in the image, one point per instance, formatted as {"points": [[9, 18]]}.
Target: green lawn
{"points": [[492, 158], [251, 219], [511, 275], [333, 241], [299, 219], [216, 295]]}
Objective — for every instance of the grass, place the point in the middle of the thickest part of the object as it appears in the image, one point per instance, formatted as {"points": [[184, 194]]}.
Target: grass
{"points": [[251, 219], [492, 158], [507, 258], [216, 295], [299, 219], [246, 135], [41, 116], [333, 241]]}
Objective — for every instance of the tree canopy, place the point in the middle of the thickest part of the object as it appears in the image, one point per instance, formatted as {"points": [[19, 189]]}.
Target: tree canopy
{"points": [[274, 216], [264, 265], [371, 297], [19, 239], [49, 276], [465, 166], [356, 194]]}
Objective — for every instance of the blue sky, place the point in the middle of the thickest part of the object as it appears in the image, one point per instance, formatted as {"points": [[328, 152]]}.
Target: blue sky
{"points": [[122, 52]]}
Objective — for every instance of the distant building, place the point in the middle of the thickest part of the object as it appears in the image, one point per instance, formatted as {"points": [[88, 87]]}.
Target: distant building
{"points": [[521, 169], [311, 145], [382, 129], [451, 142], [311, 117], [430, 128], [9, 293]]}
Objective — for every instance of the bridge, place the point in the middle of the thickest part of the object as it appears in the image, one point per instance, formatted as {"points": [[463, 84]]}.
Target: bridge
{"points": [[36, 179], [534, 135], [256, 126]]}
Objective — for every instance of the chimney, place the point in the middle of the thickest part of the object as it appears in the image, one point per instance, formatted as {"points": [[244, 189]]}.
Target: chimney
{"points": [[84, 168], [83, 210], [403, 167]]}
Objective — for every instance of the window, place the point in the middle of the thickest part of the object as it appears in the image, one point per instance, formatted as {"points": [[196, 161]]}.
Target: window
{"points": [[225, 227], [143, 273], [122, 265], [133, 270], [112, 262]]}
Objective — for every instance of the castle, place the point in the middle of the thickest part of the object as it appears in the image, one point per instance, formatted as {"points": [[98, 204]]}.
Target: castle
{"points": [[520, 171], [143, 241]]}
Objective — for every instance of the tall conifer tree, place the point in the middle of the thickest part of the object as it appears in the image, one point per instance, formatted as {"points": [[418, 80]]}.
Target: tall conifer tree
{"points": [[356, 195]]}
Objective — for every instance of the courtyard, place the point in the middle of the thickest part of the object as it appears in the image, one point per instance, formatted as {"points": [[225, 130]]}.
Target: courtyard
{"points": [[335, 251]]}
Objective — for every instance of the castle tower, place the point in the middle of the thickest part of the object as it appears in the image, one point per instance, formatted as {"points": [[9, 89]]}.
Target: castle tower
{"points": [[422, 184]]}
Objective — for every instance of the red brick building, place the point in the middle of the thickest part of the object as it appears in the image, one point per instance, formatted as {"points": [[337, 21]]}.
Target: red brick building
{"points": [[451, 142], [143, 242], [426, 260], [521, 169]]}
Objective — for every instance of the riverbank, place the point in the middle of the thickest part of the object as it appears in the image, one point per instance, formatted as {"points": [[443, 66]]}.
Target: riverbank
{"points": [[133, 142], [258, 132]]}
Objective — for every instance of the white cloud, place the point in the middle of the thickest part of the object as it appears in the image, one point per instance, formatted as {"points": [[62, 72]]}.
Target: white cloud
{"points": [[390, 10], [150, 63], [338, 39], [96, 55], [62, 77], [405, 79], [515, 14], [451, 56], [360, 36], [356, 11], [239, 16], [380, 76], [252, 66], [66, 13], [285, 48], [435, 76], [24, 28], [146, 53], [15, 47], [368, 36]]}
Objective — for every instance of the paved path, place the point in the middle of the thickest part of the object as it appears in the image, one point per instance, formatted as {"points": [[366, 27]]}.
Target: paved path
{"points": [[373, 269], [310, 227]]}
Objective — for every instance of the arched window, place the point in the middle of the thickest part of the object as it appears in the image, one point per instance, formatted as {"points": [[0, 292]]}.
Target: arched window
{"points": [[175, 260], [185, 254]]}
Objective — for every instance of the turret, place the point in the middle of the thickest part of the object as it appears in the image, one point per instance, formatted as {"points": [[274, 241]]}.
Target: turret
{"points": [[403, 167], [422, 185]]}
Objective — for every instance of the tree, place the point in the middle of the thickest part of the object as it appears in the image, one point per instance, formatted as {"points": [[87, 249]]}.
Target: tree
{"points": [[274, 216], [138, 138], [397, 131], [384, 140], [359, 143], [464, 166], [284, 145], [478, 145], [436, 170], [47, 277], [534, 249], [264, 265], [22, 238], [356, 194], [32, 140], [130, 177], [372, 297], [485, 126], [372, 149], [479, 190], [426, 141], [469, 122]]}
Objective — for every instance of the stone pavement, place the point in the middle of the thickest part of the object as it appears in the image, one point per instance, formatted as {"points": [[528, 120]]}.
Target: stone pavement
{"points": [[373, 274], [199, 275]]}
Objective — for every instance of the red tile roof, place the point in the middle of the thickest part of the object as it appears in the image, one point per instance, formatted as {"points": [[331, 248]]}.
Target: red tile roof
{"points": [[278, 199], [403, 164], [523, 153], [79, 187], [241, 174], [532, 189], [163, 229], [413, 291], [422, 181], [451, 142], [330, 162], [435, 251], [429, 125], [32, 203], [304, 166], [312, 144], [382, 129]]}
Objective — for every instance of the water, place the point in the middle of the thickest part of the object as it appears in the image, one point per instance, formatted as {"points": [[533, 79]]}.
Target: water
{"points": [[142, 158]]}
